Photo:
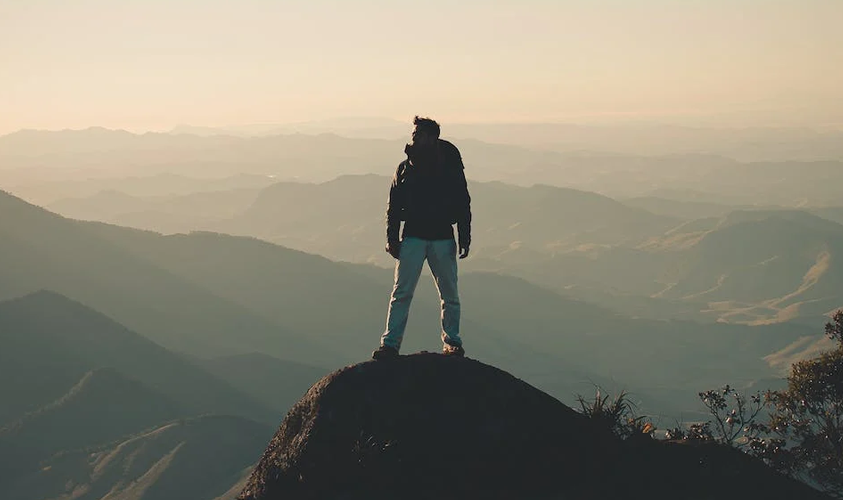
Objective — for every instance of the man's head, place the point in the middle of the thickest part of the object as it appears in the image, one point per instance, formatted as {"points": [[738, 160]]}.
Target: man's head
{"points": [[425, 131]]}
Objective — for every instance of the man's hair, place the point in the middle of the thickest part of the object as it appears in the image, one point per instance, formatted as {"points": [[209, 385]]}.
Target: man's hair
{"points": [[427, 125]]}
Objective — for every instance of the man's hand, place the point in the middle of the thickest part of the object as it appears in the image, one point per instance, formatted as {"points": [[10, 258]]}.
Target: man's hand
{"points": [[393, 248], [464, 239], [463, 250]]}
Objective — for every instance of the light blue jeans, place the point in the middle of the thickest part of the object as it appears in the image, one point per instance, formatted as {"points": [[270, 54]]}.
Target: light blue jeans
{"points": [[441, 256]]}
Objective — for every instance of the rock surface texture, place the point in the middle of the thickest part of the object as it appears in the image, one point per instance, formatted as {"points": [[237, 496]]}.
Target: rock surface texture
{"points": [[427, 426]]}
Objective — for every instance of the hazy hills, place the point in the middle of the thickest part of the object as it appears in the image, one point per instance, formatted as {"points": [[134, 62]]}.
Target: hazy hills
{"points": [[746, 143], [219, 299], [168, 214], [192, 458], [164, 462], [680, 206], [599, 249], [684, 209], [343, 218], [33, 163], [50, 342], [276, 383], [831, 213], [246, 295], [45, 188], [756, 266], [357, 306], [584, 243], [81, 395], [786, 260], [103, 406], [44, 251]]}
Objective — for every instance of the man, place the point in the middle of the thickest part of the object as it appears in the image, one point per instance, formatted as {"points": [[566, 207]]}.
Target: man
{"points": [[429, 193]]}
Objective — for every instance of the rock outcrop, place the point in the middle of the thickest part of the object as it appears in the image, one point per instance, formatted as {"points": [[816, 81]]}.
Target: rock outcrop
{"points": [[428, 426]]}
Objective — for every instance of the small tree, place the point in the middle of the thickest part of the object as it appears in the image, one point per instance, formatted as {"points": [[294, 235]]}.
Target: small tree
{"points": [[735, 420], [734, 416], [809, 414]]}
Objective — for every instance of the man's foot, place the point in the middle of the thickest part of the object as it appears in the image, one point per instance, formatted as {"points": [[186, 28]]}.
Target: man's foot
{"points": [[385, 352], [453, 350]]}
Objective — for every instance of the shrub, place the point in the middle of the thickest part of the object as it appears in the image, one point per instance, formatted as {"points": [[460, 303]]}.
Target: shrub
{"points": [[618, 414]]}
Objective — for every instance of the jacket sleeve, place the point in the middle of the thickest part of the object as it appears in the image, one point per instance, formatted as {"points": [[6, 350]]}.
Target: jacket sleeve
{"points": [[463, 205], [395, 207]]}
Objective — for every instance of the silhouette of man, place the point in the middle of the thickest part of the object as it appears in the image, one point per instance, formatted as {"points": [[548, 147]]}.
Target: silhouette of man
{"points": [[429, 193]]}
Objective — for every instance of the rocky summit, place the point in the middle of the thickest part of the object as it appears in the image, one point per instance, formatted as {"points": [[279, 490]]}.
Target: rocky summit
{"points": [[428, 426]]}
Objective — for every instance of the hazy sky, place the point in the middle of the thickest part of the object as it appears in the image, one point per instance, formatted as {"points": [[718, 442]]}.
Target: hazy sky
{"points": [[152, 64]]}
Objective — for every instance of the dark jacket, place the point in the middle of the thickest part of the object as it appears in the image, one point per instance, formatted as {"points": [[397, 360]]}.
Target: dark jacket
{"points": [[429, 192]]}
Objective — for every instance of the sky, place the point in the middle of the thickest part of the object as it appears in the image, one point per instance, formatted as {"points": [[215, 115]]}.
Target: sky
{"points": [[154, 64]]}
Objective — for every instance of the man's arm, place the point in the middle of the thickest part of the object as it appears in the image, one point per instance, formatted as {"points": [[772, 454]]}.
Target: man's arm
{"points": [[463, 206], [394, 212]]}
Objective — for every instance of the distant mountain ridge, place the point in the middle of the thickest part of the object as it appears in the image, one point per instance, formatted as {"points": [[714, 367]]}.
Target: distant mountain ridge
{"points": [[45, 251], [49, 343], [538, 217], [214, 295], [748, 143], [275, 383], [166, 214], [785, 259], [235, 297], [102, 407], [193, 458], [581, 242], [36, 157], [75, 386]]}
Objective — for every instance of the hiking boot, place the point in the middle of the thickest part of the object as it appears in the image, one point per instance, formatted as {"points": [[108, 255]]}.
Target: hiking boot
{"points": [[385, 352], [453, 350]]}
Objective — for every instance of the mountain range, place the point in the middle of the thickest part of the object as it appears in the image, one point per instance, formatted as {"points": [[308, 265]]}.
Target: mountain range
{"points": [[212, 295], [206, 457], [208, 285], [130, 356], [45, 166], [745, 143], [620, 255], [90, 407]]}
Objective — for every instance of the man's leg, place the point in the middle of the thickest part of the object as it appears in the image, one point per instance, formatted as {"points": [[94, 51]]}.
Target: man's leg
{"points": [[442, 259], [407, 272]]}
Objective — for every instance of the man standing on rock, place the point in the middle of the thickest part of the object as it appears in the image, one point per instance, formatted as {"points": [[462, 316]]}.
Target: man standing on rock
{"points": [[429, 193]]}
